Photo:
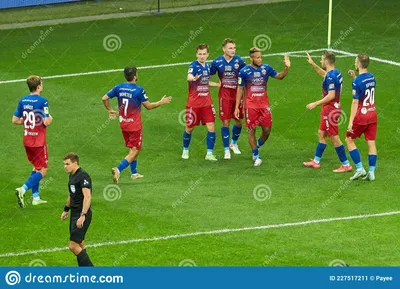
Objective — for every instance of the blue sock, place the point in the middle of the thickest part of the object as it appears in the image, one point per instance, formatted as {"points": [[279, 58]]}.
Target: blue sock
{"points": [[33, 180], [186, 140], [236, 130], [341, 152], [225, 137], [255, 153], [259, 143], [319, 151], [123, 165], [372, 162], [133, 166], [35, 188], [355, 156], [210, 141]]}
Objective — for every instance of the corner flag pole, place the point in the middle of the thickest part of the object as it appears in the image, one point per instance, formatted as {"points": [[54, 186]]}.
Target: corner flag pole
{"points": [[329, 23]]}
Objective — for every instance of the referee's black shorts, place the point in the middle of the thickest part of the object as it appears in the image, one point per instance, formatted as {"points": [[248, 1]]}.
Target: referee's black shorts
{"points": [[78, 234]]}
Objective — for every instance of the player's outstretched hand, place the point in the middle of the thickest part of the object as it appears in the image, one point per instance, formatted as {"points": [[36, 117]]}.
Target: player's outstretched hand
{"points": [[310, 106], [309, 59], [166, 99], [352, 73], [64, 215], [112, 114], [286, 60]]}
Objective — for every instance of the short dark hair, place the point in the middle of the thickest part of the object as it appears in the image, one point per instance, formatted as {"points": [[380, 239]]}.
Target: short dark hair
{"points": [[226, 41], [330, 57], [130, 72], [201, 47], [254, 50], [364, 60], [33, 82], [73, 157]]}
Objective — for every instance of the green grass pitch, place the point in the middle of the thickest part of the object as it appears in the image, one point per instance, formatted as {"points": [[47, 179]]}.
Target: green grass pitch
{"points": [[176, 196]]}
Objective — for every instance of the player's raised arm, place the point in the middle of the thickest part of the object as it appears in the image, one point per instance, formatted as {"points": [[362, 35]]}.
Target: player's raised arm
{"points": [[281, 75], [106, 102], [318, 69], [151, 105], [352, 74]]}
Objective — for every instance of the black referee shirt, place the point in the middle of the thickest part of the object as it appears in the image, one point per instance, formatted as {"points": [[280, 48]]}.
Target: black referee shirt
{"points": [[76, 183]]}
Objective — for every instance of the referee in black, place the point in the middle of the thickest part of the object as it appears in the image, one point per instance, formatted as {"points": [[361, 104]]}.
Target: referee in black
{"points": [[80, 194]]}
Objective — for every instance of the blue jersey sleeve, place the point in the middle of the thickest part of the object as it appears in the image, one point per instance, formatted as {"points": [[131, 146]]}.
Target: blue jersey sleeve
{"points": [[241, 78], [46, 108], [113, 92], [213, 68], [271, 72], [355, 91], [142, 96], [192, 69], [19, 111]]}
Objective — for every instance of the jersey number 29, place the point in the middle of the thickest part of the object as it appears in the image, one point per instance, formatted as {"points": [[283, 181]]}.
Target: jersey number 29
{"points": [[29, 117]]}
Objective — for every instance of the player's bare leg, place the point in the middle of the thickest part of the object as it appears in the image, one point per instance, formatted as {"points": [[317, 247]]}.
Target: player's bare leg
{"points": [[355, 155], [341, 151], [210, 142], [372, 155], [236, 129], [225, 138], [187, 135], [133, 153], [253, 144], [314, 163]]}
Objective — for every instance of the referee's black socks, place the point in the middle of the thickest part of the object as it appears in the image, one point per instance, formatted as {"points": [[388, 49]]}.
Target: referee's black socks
{"points": [[83, 259]]}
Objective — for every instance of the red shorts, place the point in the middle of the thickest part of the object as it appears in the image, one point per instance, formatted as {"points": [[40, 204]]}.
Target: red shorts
{"points": [[227, 109], [195, 115], [37, 156], [369, 131], [258, 117], [133, 139], [329, 122]]}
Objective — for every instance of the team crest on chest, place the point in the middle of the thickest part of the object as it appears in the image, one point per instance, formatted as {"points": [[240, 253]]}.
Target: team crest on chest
{"points": [[263, 71], [236, 65], [72, 187]]}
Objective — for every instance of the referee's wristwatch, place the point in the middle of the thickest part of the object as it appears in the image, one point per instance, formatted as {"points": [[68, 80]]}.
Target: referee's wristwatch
{"points": [[83, 214]]}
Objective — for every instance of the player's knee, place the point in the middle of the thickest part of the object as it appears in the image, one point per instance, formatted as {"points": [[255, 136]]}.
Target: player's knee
{"points": [[189, 130], [43, 172], [349, 140], [73, 247]]}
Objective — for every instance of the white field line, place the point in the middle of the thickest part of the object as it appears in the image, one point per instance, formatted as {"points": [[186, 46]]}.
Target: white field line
{"points": [[371, 57], [146, 67], [214, 232]]}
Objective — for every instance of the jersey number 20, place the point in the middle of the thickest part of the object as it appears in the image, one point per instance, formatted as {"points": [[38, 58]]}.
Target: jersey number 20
{"points": [[370, 95]]}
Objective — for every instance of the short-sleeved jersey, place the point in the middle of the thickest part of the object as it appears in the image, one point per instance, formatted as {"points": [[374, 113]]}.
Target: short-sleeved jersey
{"points": [[333, 81], [79, 180], [33, 109], [228, 73], [130, 97], [364, 91], [255, 83], [199, 91]]}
